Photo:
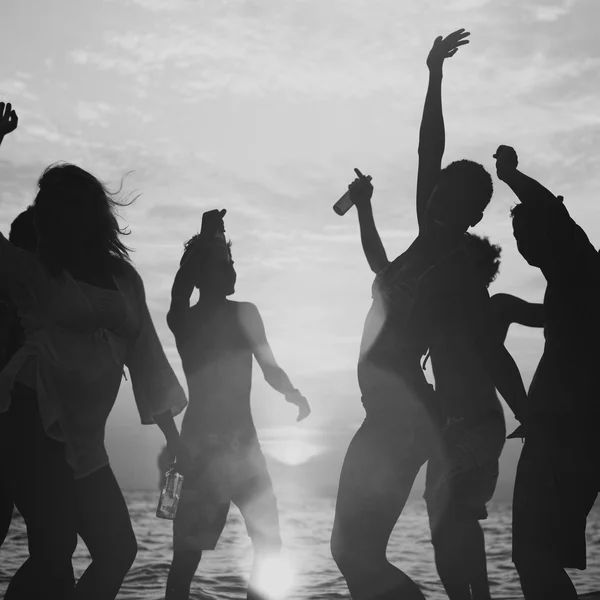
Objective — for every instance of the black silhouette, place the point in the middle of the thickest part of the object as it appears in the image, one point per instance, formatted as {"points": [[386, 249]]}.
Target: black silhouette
{"points": [[217, 339], [558, 476], [462, 475], [22, 235], [83, 310], [410, 298]]}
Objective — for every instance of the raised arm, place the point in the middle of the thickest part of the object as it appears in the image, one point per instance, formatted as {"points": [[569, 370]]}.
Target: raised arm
{"points": [[274, 375], [432, 136], [181, 292], [185, 279], [528, 190], [361, 191]]}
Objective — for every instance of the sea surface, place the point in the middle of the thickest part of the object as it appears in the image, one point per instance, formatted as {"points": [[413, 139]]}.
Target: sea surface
{"points": [[311, 573]]}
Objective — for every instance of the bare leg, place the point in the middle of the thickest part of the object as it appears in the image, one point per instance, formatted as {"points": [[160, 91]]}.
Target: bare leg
{"points": [[183, 568], [105, 527], [460, 557], [379, 470]]}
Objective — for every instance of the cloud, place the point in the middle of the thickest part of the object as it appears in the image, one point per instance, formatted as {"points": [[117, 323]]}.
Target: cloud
{"points": [[550, 12], [93, 113], [17, 88]]}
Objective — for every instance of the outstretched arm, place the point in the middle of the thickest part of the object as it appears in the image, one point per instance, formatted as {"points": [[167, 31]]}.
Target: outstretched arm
{"points": [[361, 191], [508, 309], [274, 375], [432, 136], [528, 190], [8, 120]]}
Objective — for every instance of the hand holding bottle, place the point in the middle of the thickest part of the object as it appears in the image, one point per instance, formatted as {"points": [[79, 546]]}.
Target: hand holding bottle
{"points": [[359, 192]]}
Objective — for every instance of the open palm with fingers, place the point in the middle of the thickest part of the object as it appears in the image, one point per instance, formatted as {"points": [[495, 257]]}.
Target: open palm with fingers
{"points": [[8, 120], [446, 47]]}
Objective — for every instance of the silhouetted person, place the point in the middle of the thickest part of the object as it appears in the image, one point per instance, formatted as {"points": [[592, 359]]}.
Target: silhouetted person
{"points": [[83, 309], [12, 336], [217, 339], [462, 474], [558, 476], [403, 420]]}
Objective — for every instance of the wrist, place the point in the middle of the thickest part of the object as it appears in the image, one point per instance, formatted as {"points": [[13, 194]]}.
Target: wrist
{"points": [[435, 71], [364, 206]]}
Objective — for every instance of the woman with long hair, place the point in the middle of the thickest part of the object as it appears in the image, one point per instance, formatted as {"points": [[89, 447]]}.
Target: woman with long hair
{"points": [[83, 308]]}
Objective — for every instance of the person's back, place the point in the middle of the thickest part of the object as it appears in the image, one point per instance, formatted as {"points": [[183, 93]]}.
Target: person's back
{"points": [[216, 355]]}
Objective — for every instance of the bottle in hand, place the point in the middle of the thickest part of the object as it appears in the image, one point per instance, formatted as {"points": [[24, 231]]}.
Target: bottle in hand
{"points": [[170, 494], [344, 204]]}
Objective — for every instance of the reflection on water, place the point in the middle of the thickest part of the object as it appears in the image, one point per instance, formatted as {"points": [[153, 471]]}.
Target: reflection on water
{"points": [[306, 526]]}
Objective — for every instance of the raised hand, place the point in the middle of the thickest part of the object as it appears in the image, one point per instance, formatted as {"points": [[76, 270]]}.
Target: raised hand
{"points": [[446, 47], [361, 189], [8, 120], [301, 402], [506, 161]]}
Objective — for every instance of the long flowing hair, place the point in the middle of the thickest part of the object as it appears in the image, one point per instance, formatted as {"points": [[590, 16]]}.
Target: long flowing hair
{"points": [[76, 221]]}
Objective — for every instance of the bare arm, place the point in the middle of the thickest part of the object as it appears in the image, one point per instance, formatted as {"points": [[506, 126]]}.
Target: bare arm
{"points": [[508, 309], [8, 120], [274, 375], [527, 189], [432, 135], [506, 377], [181, 292], [361, 191], [498, 362]]}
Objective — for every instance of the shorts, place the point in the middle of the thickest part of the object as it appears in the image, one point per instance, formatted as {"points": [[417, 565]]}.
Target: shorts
{"points": [[378, 473], [462, 477], [556, 485], [221, 476]]}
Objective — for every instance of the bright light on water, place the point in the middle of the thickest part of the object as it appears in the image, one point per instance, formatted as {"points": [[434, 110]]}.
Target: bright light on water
{"points": [[273, 578], [291, 452]]}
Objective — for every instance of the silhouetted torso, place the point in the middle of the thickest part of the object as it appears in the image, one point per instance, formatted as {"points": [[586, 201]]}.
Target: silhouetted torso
{"points": [[461, 377], [217, 359], [565, 379], [390, 349]]}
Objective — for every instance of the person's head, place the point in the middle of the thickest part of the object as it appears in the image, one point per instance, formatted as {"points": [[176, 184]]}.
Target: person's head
{"points": [[485, 257], [462, 192], [532, 233], [214, 273], [75, 220], [22, 231]]}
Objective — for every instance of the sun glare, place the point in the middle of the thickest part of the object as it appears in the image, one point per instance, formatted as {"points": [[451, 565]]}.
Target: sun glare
{"points": [[274, 578], [292, 452]]}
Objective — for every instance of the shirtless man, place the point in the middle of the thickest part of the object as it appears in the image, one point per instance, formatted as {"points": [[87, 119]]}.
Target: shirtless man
{"points": [[462, 475], [558, 475], [402, 417], [216, 339]]}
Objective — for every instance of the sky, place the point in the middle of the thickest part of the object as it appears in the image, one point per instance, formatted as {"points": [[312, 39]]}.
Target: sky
{"points": [[264, 108]]}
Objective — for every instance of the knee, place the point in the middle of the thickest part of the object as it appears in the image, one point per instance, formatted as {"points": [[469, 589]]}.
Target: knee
{"points": [[345, 558], [119, 556], [127, 553]]}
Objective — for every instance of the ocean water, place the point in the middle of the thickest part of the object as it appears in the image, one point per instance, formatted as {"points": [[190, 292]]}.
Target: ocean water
{"points": [[306, 526]]}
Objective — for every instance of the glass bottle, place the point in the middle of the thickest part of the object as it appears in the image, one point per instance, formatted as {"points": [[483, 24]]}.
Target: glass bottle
{"points": [[344, 204], [170, 494]]}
